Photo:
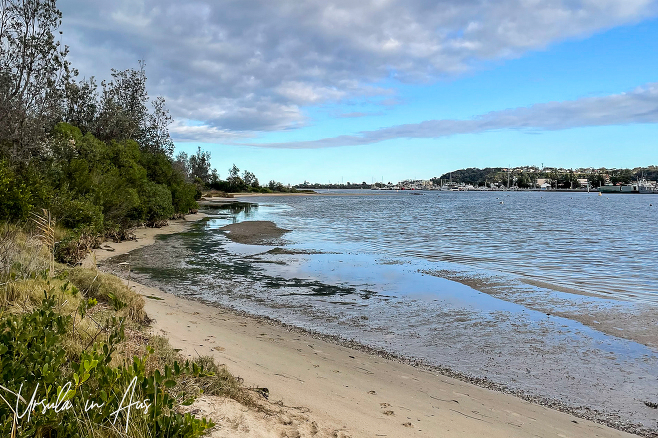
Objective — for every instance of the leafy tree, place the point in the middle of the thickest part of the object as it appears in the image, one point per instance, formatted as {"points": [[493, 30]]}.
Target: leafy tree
{"points": [[155, 136], [524, 181], [33, 68], [622, 176], [234, 172], [249, 178], [199, 165], [182, 164], [81, 105], [596, 179], [123, 109], [235, 183]]}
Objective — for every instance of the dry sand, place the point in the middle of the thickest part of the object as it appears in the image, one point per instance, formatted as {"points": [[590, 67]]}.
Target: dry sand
{"points": [[319, 389]]}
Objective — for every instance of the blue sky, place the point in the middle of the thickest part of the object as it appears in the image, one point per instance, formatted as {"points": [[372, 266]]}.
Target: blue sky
{"points": [[344, 94]]}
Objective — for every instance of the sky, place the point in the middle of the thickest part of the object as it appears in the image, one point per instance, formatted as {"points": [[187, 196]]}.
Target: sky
{"points": [[330, 91]]}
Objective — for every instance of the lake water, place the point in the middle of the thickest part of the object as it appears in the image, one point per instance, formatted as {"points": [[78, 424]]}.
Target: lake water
{"points": [[377, 268]]}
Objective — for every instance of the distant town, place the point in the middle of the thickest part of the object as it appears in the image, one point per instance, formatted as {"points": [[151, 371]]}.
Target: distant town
{"points": [[640, 179]]}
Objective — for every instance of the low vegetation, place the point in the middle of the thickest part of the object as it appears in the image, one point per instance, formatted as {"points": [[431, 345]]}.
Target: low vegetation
{"points": [[88, 328], [79, 164]]}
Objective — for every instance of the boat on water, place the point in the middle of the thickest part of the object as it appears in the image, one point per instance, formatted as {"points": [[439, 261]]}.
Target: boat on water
{"points": [[640, 187], [626, 188]]}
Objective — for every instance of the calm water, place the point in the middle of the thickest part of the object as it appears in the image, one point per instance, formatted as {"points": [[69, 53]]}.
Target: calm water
{"points": [[602, 244], [356, 267]]}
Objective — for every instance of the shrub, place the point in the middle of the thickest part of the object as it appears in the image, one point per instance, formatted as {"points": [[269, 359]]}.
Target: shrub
{"points": [[76, 245], [15, 196], [77, 212], [156, 201], [32, 357]]}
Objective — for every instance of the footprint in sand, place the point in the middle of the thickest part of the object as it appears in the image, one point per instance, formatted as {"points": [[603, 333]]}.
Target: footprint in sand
{"points": [[385, 405], [372, 392], [406, 424], [389, 413]]}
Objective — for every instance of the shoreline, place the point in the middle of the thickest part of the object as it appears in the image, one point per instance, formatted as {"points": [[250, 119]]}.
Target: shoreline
{"points": [[268, 353]]}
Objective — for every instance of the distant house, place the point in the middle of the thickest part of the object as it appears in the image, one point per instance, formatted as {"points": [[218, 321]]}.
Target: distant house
{"points": [[583, 182], [544, 186]]}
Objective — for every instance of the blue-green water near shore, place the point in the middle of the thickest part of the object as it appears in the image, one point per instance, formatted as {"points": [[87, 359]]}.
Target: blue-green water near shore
{"points": [[379, 269]]}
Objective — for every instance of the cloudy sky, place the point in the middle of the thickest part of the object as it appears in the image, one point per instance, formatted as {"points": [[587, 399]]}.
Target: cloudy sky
{"points": [[326, 90]]}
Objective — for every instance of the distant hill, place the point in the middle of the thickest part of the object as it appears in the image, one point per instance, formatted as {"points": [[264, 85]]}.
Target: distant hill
{"points": [[473, 175], [527, 176]]}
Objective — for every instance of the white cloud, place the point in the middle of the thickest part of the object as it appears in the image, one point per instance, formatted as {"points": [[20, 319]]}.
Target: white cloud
{"points": [[250, 65], [638, 106]]}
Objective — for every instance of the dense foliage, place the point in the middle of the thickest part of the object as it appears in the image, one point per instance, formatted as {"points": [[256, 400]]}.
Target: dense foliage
{"points": [[99, 159]]}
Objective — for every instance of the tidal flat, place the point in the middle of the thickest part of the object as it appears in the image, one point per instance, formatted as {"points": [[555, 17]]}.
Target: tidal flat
{"points": [[590, 354]]}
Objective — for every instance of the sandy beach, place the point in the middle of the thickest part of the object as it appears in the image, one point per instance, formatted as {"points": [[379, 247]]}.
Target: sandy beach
{"points": [[318, 388]]}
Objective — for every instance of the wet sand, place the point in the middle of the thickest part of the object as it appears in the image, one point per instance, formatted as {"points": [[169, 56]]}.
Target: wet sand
{"points": [[253, 232], [144, 236], [338, 391], [358, 394], [626, 320]]}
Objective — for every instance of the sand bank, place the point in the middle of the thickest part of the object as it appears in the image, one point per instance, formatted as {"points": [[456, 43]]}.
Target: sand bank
{"points": [[321, 389], [253, 232]]}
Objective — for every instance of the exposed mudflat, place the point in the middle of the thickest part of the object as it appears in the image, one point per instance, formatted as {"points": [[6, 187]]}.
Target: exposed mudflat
{"points": [[253, 232], [622, 319]]}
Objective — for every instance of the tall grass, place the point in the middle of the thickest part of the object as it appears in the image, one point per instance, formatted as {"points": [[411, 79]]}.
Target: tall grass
{"points": [[97, 306]]}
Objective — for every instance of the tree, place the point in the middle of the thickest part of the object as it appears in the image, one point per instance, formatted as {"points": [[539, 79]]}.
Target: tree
{"points": [[622, 176], [182, 165], [33, 69], [155, 137], [235, 183], [200, 166], [234, 172], [80, 104], [524, 181], [596, 179], [123, 110], [249, 178]]}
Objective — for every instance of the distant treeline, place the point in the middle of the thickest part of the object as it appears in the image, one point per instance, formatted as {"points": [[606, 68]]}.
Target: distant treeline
{"points": [[526, 177], [312, 186]]}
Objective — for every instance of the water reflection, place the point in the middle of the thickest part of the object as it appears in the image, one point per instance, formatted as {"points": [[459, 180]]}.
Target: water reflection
{"points": [[236, 211]]}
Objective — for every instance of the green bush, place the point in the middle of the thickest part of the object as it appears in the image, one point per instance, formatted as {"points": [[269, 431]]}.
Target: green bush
{"points": [[156, 201], [80, 212], [96, 186], [15, 195], [33, 361]]}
